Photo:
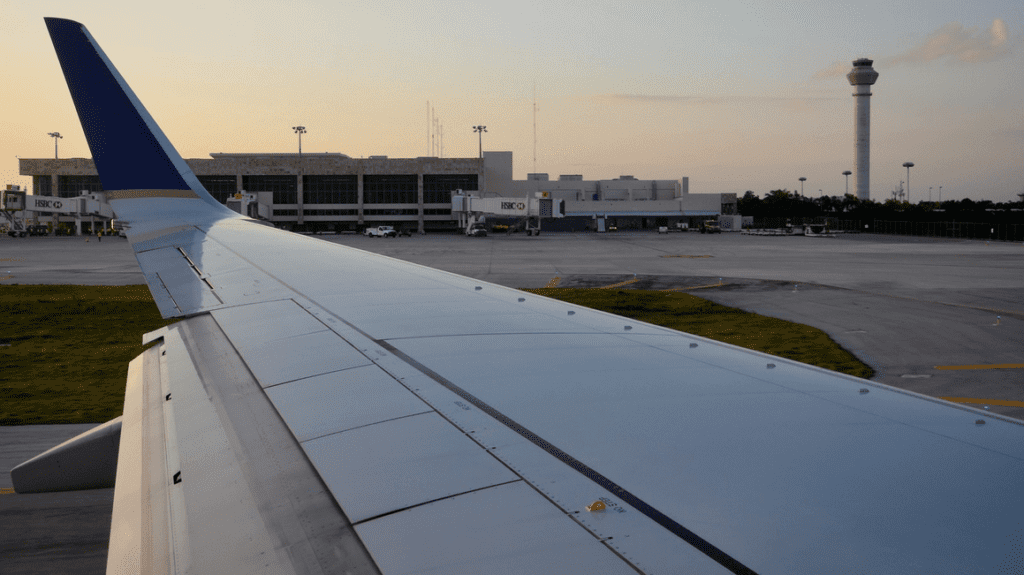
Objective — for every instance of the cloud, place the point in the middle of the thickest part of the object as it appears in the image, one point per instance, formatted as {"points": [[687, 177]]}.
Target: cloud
{"points": [[954, 43], [835, 70]]}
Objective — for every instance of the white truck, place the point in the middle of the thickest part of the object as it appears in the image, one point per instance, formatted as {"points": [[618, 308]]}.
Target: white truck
{"points": [[381, 232]]}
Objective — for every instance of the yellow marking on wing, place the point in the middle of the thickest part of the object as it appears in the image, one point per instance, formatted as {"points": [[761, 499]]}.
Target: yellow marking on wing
{"points": [[985, 401], [989, 366], [554, 282]]}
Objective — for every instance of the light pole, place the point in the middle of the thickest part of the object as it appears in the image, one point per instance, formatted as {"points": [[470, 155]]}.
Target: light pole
{"points": [[802, 180], [300, 130], [299, 189], [929, 194], [908, 165], [55, 136], [480, 130], [847, 174], [940, 194]]}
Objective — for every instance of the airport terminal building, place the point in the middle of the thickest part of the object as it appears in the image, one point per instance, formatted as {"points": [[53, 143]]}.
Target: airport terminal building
{"points": [[332, 191]]}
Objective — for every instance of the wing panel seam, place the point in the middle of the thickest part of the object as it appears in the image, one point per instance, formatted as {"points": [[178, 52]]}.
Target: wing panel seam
{"points": [[658, 517], [452, 496], [696, 541]]}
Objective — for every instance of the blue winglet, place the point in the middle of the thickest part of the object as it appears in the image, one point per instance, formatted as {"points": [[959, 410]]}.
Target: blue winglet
{"points": [[128, 147]]}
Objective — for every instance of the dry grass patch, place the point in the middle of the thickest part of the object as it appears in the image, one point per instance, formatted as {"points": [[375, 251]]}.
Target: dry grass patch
{"points": [[691, 314]]}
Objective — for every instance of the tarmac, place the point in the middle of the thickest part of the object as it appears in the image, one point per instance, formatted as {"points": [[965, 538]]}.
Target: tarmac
{"points": [[929, 315]]}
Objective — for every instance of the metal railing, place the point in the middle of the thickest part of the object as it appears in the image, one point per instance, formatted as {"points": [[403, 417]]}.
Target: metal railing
{"points": [[965, 230]]}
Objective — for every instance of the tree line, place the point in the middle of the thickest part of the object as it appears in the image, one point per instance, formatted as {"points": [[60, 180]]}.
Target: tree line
{"points": [[791, 205]]}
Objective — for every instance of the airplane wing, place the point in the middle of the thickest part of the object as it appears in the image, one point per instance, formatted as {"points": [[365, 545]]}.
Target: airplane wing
{"points": [[320, 409]]}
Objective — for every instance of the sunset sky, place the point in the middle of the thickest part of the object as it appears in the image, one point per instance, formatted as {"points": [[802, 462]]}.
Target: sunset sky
{"points": [[735, 95]]}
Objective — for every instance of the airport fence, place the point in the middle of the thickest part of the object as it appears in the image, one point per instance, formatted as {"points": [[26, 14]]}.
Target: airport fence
{"points": [[966, 230], [833, 224]]}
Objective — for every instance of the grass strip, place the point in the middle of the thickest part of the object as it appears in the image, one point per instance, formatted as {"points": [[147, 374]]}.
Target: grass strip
{"points": [[691, 314], [64, 350]]}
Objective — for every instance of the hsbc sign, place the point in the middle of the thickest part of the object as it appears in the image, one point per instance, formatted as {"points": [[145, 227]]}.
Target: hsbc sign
{"points": [[518, 206], [48, 204]]}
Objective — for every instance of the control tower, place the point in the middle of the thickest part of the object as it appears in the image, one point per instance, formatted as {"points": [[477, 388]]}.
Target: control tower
{"points": [[861, 78]]}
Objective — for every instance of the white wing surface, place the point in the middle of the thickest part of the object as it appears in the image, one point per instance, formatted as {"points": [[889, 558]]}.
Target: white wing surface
{"points": [[321, 409]]}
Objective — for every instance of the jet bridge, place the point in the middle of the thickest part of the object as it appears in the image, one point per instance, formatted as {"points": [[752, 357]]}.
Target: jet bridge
{"points": [[526, 212], [20, 208]]}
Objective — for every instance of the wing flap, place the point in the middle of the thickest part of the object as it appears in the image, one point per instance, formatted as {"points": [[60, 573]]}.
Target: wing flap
{"points": [[139, 536], [244, 497]]}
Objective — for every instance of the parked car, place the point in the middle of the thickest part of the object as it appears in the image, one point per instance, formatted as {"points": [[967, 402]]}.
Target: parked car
{"points": [[477, 231]]}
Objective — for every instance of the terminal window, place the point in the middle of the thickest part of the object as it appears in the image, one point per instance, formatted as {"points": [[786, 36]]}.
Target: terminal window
{"points": [[285, 188], [391, 212], [42, 185], [340, 212], [388, 189], [220, 187], [330, 189], [73, 186], [437, 188]]}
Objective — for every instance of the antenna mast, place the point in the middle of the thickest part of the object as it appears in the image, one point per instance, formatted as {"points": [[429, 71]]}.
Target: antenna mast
{"points": [[535, 127]]}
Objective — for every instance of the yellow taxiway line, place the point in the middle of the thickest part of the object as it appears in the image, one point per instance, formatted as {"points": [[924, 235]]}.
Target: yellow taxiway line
{"points": [[620, 284], [719, 284], [554, 282], [984, 401], [6, 491], [989, 366]]}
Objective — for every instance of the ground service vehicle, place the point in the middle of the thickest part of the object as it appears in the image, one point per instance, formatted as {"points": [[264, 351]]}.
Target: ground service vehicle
{"points": [[710, 227], [381, 232]]}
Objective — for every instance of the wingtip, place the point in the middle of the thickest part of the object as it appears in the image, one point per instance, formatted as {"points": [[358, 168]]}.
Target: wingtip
{"points": [[54, 20], [129, 150]]}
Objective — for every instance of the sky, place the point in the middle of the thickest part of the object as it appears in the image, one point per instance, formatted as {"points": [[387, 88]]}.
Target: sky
{"points": [[735, 95]]}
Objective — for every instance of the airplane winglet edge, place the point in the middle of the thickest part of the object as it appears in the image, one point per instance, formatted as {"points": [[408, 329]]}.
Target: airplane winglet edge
{"points": [[133, 157]]}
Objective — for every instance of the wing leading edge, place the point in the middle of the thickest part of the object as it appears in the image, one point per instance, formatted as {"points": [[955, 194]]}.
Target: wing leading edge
{"points": [[522, 411]]}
